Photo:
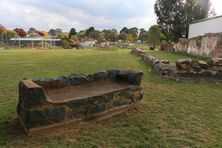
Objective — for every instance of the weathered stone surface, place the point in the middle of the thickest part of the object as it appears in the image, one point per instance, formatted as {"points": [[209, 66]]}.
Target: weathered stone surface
{"points": [[215, 62], [165, 61], [216, 68], [208, 74], [206, 45], [77, 79], [51, 83], [187, 74], [75, 104], [112, 73], [184, 64], [203, 64], [102, 75], [31, 94], [45, 116], [130, 76]]}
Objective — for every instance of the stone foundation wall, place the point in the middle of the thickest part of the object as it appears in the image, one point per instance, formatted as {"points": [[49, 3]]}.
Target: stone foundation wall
{"points": [[36, 110], [184, 69], [208, 45]]}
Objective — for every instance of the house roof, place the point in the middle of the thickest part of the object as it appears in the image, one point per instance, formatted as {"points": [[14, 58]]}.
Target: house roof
{"points": [[206, 19], [33, 39]]}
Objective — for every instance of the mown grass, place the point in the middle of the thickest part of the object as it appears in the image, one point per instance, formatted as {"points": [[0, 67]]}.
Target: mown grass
{"points": [[173, 114]]}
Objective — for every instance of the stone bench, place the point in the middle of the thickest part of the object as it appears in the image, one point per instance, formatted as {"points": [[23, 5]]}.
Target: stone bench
{"points": [[45, 103]]}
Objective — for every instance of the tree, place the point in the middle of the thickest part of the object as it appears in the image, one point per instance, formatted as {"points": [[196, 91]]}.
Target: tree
{"points": [[111, 35], [20, 32], [8, 34], [130, 38], [125, 29], [174, 16], [155, 35], [134, 32], [31, 30], [123, 36], [88, 31], [101, 37], [143, 35], [52, 32], [2, 29], [72, 32], [82, 34]]}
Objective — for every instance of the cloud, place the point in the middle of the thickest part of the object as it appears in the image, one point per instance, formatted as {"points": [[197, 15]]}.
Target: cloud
{"points": [[82, 14]]}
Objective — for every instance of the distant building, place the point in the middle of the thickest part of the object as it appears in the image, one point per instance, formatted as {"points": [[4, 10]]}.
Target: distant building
{"points": [[33, 42], [87, 43], [208, 25]]}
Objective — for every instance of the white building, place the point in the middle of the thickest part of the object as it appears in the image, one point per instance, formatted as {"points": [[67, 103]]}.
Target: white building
{"points": [[209, 25]]}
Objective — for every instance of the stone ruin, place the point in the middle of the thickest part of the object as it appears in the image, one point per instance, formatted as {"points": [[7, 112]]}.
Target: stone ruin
{"points": [[45, 103], [184, 69], [209, 44]]}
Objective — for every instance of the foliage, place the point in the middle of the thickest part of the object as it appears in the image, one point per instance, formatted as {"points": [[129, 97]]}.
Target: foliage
{"points": [[8, 34], [31, 30], [174, 16], [123, 36], [54, 33], [130, 38], [111, 35], [20, 32], [89, 30], [129, 34], [155, 35], [72, 32], [2, 29], [143, 35]]}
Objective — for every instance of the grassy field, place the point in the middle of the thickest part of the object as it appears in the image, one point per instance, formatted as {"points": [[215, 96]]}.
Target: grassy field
{"points": [[173, 114]]}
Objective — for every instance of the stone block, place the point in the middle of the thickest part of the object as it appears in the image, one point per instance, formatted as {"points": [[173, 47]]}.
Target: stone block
{"points": [[102, 75], [184, 64], [45, 116], [75, 104], [77, 79], [130, 76], [31, 94], [215, 62]]}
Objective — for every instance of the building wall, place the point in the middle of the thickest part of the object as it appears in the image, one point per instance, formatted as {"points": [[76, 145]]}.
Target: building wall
{"points": [[207, 45], [200, 28]]}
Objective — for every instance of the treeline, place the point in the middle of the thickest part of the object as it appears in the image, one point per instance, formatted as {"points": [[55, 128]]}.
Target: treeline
{"points": [[153, 35]]}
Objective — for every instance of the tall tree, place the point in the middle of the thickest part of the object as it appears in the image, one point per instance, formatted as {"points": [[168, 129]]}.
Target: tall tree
{"points": [[143, 35], [174, 16], [134, 33], [111, 35], [123, 36], [155, 35], [72, 32], [88, 31]]}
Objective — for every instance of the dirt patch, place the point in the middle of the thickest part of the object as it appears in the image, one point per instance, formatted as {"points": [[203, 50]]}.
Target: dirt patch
{"points": [[84, 91]]}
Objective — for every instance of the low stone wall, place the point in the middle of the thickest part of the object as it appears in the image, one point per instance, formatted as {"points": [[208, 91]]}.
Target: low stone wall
{"points": [[208, 45], [50, 102], [184, 69]]}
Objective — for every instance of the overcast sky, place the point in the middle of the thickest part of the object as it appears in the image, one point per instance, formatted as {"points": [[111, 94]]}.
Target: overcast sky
{"points": [[80, 14]]}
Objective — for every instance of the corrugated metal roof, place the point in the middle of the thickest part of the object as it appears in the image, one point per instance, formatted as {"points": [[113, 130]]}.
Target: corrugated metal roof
{"points": [[33, 39]]}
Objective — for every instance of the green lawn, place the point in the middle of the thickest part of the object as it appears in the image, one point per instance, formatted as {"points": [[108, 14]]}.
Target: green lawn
{"points": [[173, 114], [173, 56]]}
